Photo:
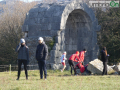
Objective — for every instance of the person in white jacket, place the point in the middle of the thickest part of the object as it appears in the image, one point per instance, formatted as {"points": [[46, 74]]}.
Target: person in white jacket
{"points": [[63, 58]]}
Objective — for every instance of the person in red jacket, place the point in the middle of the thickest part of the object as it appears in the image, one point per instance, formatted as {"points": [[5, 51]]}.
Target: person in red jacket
{"points": [[81, 60], [82, 55], [72, 59], [80, 66]]}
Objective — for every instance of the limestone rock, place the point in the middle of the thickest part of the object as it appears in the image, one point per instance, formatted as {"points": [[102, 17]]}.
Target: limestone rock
{"points": [[96, 67], [117, 68]]}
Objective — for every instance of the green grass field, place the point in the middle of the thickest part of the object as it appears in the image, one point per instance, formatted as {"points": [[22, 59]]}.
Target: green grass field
{"points": [[58, 81]]}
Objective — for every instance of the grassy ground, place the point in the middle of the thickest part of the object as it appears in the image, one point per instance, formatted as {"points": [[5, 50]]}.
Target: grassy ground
{"points": [[58, 81]]}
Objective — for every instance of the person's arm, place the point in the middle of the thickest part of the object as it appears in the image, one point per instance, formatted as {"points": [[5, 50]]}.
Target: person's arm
{"points": [[36, 53], [76, 57], [18, 48], [45, 52], [27, 54], [65, 57]]}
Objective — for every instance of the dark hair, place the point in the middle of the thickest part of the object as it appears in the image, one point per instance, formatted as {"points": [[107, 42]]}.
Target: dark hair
{"points": [[84, 50], [104, 48]]}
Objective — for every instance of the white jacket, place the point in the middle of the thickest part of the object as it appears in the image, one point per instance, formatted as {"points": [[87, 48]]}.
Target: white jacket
{"points": [[63, 58]]}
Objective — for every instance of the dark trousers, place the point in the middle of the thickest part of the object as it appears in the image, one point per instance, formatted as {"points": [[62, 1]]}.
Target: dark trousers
{"points": [[76, 67], [104, 68], [25, 67], [71, 63], [42, 67]]}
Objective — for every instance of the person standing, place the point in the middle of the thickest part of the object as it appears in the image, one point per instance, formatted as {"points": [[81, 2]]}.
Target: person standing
{"points": [[82, 55], [63, 58], [104, 58], [23, 57], [41, 56], [72, 59]]}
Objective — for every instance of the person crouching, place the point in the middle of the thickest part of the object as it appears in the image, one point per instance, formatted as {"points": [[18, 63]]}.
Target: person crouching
{"points": [[72, 59]]}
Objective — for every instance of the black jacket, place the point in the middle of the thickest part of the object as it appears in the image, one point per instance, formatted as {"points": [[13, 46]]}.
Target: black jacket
{"points": [[41, 52], [104, 57], [23, 52]]}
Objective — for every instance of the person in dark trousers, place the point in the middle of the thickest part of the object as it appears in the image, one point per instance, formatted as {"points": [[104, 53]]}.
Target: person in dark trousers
{"points": [[41, 56], [104, 58], [72, 59], [23, 57]]}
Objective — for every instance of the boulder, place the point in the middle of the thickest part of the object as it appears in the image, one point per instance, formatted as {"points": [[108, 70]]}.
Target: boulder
{"points": [[96, 67], [117, 68]]}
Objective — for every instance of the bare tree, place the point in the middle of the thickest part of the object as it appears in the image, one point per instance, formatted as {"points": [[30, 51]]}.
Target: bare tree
{"points": [[11, 21]]}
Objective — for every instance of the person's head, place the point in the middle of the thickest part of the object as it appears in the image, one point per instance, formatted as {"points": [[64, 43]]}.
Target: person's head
{"points": [[85, 50], [40, 40], [77, 52], [65, 52], [22, 41], [104, 48]]}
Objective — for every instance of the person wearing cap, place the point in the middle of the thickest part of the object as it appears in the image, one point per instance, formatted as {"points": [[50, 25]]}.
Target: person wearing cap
{"points": [[72, 59], [23, 57], [41, 56], [63, 58]]}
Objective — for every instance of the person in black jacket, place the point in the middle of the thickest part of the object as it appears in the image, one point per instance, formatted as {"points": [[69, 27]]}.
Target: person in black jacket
{"points": [[41, 56], [23, 57], [104, 58]]}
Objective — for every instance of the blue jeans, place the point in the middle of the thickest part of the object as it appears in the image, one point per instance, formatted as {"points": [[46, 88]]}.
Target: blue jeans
{"points": [[42, 67]]}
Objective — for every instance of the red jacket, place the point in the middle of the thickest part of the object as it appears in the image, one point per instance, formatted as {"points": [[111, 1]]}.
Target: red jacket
{"points": [[81, 67], [74, 57], [81, 56]]}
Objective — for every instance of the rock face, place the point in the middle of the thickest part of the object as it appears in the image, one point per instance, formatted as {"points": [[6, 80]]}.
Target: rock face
{"points": [[96, 67], [117, 68], [71, 24]]}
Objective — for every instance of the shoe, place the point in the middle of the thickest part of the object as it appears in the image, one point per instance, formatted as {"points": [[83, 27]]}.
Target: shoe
{"points": [[26, 78], [76, 74], [45, 79], [17, 79], [61, 70]]}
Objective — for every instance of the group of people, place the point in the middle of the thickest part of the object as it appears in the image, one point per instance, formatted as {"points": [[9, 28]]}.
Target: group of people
{"points": [[77, 57], [41, 56]]}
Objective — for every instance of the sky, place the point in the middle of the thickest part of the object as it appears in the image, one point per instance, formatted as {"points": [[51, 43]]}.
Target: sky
{"points": [[26, 0]]}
